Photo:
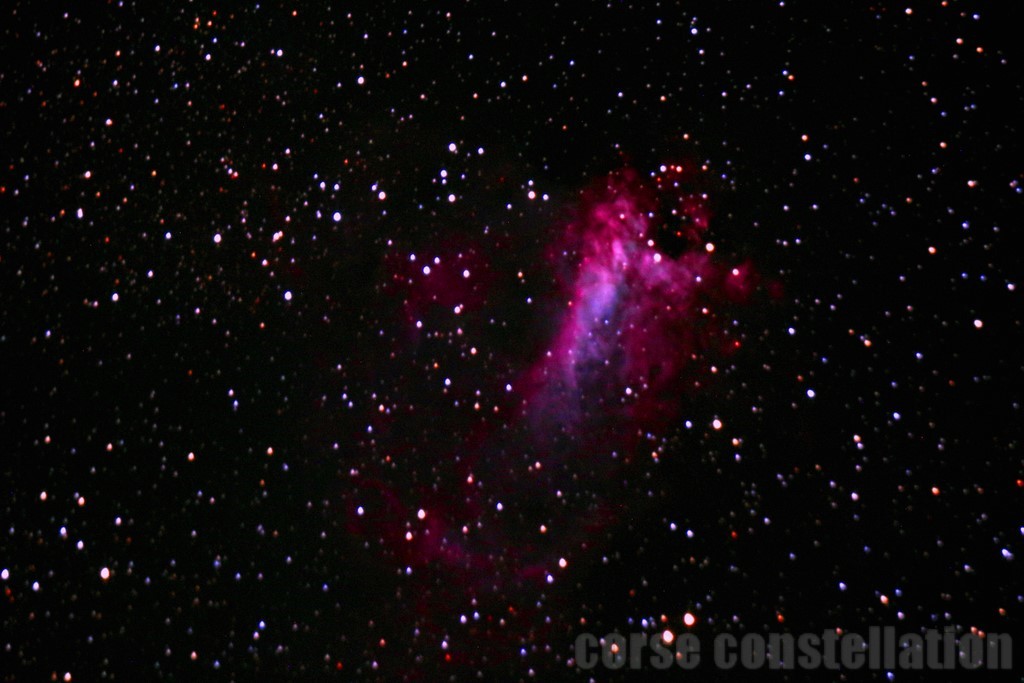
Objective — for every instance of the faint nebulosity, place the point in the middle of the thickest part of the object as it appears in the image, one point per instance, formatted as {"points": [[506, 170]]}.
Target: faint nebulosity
{"points": [[409, 342]]}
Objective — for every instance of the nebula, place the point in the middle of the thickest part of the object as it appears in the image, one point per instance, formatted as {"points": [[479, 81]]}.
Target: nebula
{"points": [[635, 316], [498, 509]]}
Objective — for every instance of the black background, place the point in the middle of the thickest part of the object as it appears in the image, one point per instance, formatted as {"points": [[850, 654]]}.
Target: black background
{"points": [[105, 400]]}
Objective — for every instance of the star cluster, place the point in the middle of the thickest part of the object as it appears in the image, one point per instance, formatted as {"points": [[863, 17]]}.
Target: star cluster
{"points": [[397, 341]]}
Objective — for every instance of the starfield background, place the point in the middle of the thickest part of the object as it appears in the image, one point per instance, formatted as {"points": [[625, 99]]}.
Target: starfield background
{"points": [[408, 341]]}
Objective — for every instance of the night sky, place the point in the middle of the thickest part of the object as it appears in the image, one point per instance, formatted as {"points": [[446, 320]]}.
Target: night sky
{"points": [[409, 341]]}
